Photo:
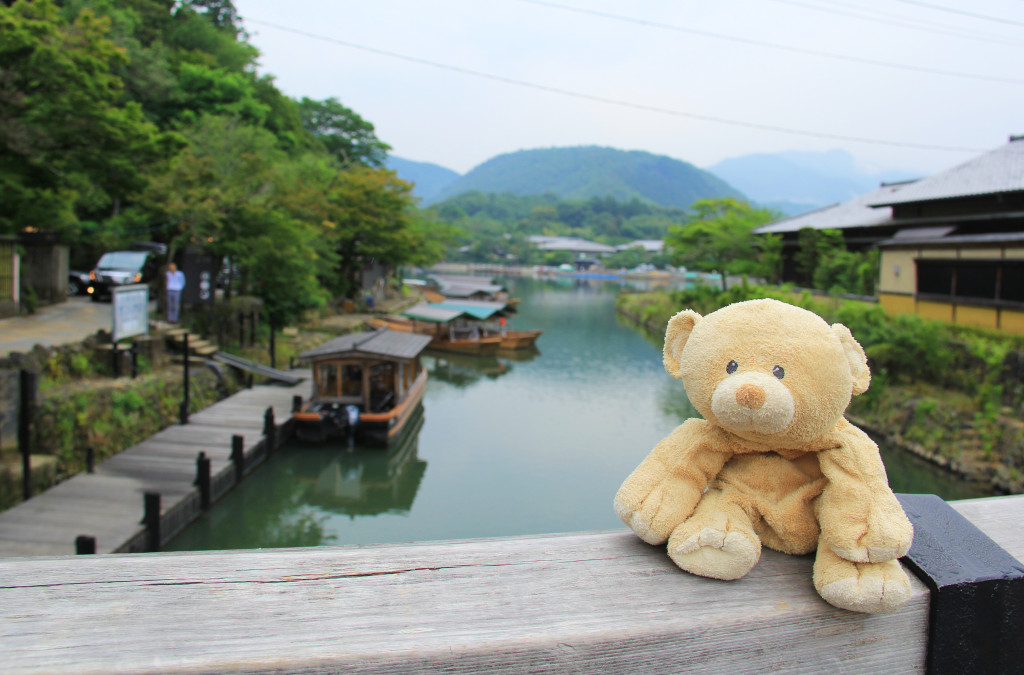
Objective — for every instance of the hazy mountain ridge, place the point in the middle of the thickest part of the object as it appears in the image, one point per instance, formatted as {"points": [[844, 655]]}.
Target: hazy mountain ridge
{"points": [[800, 181], [579, 173], [791, 182]]}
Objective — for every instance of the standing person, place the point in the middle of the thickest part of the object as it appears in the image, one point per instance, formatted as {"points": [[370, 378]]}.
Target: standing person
{"points": [[175, 284]]}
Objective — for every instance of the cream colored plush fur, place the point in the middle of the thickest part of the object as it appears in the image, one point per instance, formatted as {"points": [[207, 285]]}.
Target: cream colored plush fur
{"points": [[774, 461]]}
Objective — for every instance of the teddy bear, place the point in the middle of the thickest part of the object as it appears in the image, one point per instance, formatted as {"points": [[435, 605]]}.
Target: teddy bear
{"points": [[773, 462]]}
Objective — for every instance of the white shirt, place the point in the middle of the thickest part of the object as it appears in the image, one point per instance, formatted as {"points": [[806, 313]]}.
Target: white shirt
{"points": [[175, 280]]}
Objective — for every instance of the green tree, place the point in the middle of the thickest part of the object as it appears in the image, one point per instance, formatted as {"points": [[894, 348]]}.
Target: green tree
{"points": [[718, 237], [71, 149], [343, 133]]}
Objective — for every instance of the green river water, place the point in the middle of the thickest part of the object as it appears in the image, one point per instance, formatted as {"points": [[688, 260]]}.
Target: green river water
{"points": [[531, 445]]}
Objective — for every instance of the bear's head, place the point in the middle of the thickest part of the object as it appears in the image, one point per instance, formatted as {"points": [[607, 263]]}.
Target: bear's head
{"points": [[765, 370]]}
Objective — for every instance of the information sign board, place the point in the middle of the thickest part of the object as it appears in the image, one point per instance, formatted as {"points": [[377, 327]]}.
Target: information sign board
{"points": [[131, 311]]}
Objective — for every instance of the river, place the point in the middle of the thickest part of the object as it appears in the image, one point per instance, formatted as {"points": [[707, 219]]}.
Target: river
{"points": [[532, 445]]}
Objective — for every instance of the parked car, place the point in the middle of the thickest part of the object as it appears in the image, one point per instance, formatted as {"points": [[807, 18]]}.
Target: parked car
{"points": [[137, 265], [78, 283]]}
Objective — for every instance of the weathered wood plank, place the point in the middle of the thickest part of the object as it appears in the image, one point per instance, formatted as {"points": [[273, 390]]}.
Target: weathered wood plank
{"points": [[563, 603], [109, 503]]}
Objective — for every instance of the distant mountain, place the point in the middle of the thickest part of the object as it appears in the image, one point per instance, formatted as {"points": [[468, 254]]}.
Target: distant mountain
{"points": [[427, 179], [580, 173], [795, 182]]}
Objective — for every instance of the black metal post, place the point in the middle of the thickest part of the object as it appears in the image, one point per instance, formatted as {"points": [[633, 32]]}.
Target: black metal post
{"points": [[977, 591], [273, 350], [90, 459], [296, 403], [29, 380], [241, 329], [85, 545], [135, 358], [270, 430], [203, 480], [151, 519], [238, 456], [252, 328], [184, 398], [115, 355]]}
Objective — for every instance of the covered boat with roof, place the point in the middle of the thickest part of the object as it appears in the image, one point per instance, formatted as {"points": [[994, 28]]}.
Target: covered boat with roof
{"points": [[366, 387]]}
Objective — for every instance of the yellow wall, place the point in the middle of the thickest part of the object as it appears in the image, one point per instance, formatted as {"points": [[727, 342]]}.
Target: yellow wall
{"points": [[1012, 322], [982, 253], [896, 304], [891, 282], [940, 311], [983, 317]]}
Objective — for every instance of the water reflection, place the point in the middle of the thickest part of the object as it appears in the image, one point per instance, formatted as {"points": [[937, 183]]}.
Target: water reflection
{"points": [[518, 444]]}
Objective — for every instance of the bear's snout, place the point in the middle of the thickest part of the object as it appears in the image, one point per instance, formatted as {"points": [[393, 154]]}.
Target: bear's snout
{"points": [[750, 396]]}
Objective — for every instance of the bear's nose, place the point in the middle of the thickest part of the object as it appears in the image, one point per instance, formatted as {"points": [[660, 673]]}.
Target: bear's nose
{"points": [[750, 396]]}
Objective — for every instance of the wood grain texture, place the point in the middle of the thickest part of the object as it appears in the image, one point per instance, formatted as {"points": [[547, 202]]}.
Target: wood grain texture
{"points": [[592, 602], [108, 504]]}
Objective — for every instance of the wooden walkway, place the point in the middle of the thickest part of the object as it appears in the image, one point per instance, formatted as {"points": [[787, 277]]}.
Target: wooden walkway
{"points": [[109, 504]]}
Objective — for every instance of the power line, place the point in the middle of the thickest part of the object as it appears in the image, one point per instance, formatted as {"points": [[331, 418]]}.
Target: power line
{"points": [[771, 45], [611, 101], [902, 24], [961, 12]]}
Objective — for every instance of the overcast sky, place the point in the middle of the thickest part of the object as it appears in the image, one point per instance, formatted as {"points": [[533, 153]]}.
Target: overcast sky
{"points": [[456, 82]]}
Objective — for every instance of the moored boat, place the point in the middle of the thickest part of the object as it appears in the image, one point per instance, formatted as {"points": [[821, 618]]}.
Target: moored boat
{"points": [[366, 387], [450, 330]]}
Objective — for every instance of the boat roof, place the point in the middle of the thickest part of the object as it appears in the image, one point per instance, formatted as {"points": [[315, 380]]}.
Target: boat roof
{"points": [[381, 342], [465, 290], [478, 309], [433, 313]]}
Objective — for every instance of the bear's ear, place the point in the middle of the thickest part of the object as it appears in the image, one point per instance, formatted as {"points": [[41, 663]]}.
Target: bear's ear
{"points": [[855, 357], [678, 332]]}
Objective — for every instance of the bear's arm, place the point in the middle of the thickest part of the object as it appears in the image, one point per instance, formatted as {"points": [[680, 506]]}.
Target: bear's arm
{"points": [[664, 490], [860, 518]]}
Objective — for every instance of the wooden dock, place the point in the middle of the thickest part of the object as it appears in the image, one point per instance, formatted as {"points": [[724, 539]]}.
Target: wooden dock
{"points": [[600, 602], [109, 505]]}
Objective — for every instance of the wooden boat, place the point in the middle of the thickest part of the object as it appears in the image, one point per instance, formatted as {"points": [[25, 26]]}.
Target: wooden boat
{"points": [[366, 387], [491, 317], [450, 330]]}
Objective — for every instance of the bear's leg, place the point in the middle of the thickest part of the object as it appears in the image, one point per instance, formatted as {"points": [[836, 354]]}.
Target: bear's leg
{"points": [[861, 587], [717, 541]]}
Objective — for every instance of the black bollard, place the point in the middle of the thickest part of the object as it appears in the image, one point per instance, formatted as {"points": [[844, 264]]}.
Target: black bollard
{"points": [[85, 545], [296, 403], [135, 358], [151, 519], [203, 480], [273, 350], [90, 459], [270, 430], [184, 399], [29, 381], [238, 456]]}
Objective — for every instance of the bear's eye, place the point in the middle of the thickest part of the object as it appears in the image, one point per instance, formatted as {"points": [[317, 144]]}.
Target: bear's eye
{"points": [[731, 367], [778, 372]]}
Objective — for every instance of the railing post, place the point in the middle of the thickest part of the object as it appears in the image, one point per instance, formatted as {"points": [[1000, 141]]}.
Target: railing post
{"points": [[151, 519], [270, 429], [252, 328], [90, 459], [203, 480], [85, 545], [184, 399], [29, 381], [273, 350], [238, 456]]}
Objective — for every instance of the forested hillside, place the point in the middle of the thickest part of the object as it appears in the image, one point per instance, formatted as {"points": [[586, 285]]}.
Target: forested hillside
{"points": [[126, 120], [496, 226], [584, 172]]}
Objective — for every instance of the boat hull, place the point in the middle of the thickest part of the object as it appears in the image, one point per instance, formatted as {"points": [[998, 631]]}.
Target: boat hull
{"points": [[375, 430], [519, 339], [441, 342]]}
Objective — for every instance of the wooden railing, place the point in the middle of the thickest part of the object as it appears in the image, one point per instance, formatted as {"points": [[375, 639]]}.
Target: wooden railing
{"points": [[590, 602]]}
